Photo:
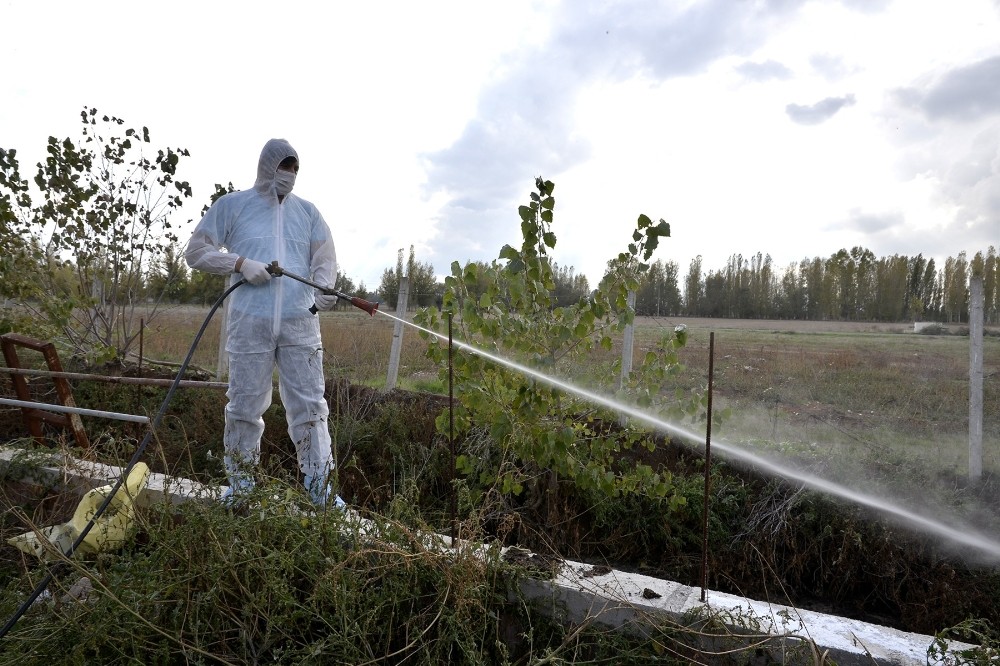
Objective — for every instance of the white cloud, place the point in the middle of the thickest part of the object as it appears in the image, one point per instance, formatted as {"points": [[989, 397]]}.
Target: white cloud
{"points": [[426, 124], [764, 70], [821, 111]]}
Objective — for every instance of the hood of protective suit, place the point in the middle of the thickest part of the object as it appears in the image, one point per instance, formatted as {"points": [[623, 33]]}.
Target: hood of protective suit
{"points": [[271, 156]]}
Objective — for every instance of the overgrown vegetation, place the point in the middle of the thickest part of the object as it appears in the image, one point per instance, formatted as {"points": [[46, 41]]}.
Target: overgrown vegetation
{"points": [[201, 584], [533, 434], [271, 584]]}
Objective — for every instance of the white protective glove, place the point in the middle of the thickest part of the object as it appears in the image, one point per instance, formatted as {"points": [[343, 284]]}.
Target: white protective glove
{"points": [[325, 302], [254, 272]]}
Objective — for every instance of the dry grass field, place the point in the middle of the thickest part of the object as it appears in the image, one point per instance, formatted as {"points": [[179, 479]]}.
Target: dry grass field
{"points": [[862, 389], [855, 388]]}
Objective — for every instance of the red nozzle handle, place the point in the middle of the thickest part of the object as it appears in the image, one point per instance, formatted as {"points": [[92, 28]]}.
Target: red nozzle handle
{"points": [[361, 303]]}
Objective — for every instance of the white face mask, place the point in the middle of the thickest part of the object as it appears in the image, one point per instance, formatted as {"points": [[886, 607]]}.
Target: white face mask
{"points": [[284, 181]]}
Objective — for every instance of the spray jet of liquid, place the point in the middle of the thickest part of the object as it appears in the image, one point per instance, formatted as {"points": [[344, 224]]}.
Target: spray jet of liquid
{"points": [[981, 543]]}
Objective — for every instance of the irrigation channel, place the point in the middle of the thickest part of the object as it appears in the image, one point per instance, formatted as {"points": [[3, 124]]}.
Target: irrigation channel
{"points": [[988, 548]]}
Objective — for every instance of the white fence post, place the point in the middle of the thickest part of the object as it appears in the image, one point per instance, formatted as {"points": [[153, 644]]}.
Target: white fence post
{"points": [[976, 379], [627, 346], [397, 334]]}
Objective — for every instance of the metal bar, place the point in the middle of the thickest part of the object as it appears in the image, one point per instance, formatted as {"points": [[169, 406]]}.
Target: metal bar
{"points": [[44, 406], [33, 418], [25, 341], [708, 465], [10, 342], [137, 395], [48, 417], [142, 327], [451, 436], [144, 381], [65, 393]]}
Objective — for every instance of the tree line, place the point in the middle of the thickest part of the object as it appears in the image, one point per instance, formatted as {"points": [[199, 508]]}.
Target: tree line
{"points": [[849, 285], [91, 250]]}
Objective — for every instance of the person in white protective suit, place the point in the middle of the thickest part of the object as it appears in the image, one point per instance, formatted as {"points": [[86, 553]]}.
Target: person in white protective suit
{"points": [[269, 319]]}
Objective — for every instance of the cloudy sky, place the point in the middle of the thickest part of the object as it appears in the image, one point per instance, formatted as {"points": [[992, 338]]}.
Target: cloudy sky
{"points": [[788, 128]]}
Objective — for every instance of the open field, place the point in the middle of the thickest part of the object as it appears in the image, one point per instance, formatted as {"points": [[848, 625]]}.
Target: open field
{"points": [[862, 388], [852, 388]]}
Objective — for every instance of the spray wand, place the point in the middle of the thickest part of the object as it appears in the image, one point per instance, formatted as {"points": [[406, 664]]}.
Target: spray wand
{"points": [[369, 307]]}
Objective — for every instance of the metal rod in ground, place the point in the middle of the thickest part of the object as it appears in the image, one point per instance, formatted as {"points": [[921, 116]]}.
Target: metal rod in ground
{"points": [[44, 406], [138, 371], [142, 328], [708, 465], [451, 437]]}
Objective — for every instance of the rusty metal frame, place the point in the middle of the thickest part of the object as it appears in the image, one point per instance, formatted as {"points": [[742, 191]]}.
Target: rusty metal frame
{"points": [[33, 418]]}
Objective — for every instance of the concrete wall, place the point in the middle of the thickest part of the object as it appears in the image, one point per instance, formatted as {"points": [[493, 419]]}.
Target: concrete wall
{"points": [[580, 592]]}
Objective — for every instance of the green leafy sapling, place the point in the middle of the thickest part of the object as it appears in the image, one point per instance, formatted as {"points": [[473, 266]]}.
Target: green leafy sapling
{"points": [[536, 432]]}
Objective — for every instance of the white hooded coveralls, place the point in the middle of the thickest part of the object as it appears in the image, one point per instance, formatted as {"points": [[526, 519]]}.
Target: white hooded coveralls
{"points": [[271, 324]]}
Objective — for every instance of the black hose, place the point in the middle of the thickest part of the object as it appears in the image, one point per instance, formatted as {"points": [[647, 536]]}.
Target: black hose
{"points": [[44, 583]]}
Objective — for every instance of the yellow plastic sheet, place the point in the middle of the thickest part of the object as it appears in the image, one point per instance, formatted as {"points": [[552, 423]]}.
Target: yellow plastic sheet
{"points": [[108, 532]]}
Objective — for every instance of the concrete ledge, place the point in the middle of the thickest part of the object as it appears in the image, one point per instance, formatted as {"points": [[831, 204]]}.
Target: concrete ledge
{"points": [[580, 592], [55, 470], [635, 603]]}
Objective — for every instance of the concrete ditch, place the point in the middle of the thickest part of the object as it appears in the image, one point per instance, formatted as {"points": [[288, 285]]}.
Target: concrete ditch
{"points": [[579, 593], [631, 602]]}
